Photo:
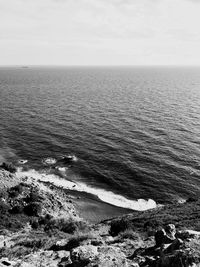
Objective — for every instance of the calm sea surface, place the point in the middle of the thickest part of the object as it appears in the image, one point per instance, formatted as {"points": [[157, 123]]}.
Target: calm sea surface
{"points": [[135, 131]]}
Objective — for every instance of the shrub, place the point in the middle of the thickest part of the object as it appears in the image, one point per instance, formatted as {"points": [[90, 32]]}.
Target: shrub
{"points": [[152, 224], [4, 207], [76, 240], [33, 209], [130, 234], [41, 221], [44, 220], [34, 224], [65, 225], [72, 226], [17, 209], [15, 191], [33, 197], [119, 225]]}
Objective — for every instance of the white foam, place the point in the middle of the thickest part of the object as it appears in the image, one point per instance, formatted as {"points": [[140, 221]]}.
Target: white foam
{"points": [[192, 232], [181, 200], [61, 169], [49, 161], [22, 161], [105, 196]]}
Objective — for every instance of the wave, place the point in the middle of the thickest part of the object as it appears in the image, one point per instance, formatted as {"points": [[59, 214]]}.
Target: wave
{"points": [[105, 196]]}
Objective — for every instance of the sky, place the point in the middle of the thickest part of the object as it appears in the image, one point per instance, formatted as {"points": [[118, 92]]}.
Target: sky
{"points": [[99, 32]]}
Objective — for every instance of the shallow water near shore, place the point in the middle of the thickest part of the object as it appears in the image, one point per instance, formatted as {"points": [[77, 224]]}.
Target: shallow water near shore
{"points": [[135, 131]]}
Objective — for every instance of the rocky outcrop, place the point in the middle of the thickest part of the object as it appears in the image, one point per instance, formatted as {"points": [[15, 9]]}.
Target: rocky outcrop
{"points": [[83, 255], [98, 256], [169, 250], [111, 256]]}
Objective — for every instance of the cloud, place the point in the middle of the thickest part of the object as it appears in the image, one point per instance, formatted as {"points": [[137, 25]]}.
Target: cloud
{"points": [[127, 30], [194, 1]]}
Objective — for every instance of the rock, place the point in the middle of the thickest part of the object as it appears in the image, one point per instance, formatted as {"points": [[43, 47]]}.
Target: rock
{"points": [[110, 257], [65, 261], [170, 230], [109, 239], [40, 259], [61, 242], [166, 238], [65, 258], [63, 254], [133, 264], [159, 236], [83, 255], [179, 258], [104, 256]]}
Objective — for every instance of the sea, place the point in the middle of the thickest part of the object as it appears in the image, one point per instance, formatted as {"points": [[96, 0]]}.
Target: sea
{"points": [[131, 135]]}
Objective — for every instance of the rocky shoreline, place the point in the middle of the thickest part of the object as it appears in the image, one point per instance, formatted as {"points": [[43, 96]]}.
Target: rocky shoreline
{"points": [[41, 226]]}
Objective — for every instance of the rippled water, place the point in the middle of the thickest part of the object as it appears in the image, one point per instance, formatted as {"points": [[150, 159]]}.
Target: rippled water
{"points": [[135, 131]]}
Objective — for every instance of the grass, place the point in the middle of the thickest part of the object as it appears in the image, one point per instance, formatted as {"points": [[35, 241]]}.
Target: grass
{"points": [[66, 225], [78, 238], [12, 222], [74, 241], [183, 216]]}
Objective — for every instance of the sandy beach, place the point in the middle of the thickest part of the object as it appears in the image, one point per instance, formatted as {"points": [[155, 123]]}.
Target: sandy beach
{"points": [[93, 209]]}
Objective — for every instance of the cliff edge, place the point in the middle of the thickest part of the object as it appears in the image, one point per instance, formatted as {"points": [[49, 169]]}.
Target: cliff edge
{"points": [[39, 226]]}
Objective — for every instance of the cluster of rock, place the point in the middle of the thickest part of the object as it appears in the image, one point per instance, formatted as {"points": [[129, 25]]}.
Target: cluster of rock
{"points": [[171, 249], [167, 249]]}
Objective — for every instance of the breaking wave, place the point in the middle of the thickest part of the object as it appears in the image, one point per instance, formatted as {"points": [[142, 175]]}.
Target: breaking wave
{"points": [[105, 196]]}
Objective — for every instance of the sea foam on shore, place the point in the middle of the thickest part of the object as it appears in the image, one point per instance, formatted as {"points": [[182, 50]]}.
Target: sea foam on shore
{"points": [[105, 196]]}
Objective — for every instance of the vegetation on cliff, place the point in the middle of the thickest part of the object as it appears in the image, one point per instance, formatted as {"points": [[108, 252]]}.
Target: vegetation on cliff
{"points": [[39, 226]]}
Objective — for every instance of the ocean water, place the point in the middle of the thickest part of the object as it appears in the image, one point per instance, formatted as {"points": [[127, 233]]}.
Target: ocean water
{"points": [[135, 131]]}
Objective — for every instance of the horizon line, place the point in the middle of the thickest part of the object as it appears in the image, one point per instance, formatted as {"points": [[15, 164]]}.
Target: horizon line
{"points": [[81, 65]]}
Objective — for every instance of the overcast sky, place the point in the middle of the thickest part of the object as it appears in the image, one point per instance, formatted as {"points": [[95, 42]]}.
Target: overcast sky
{"points": [[100, 32]]}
